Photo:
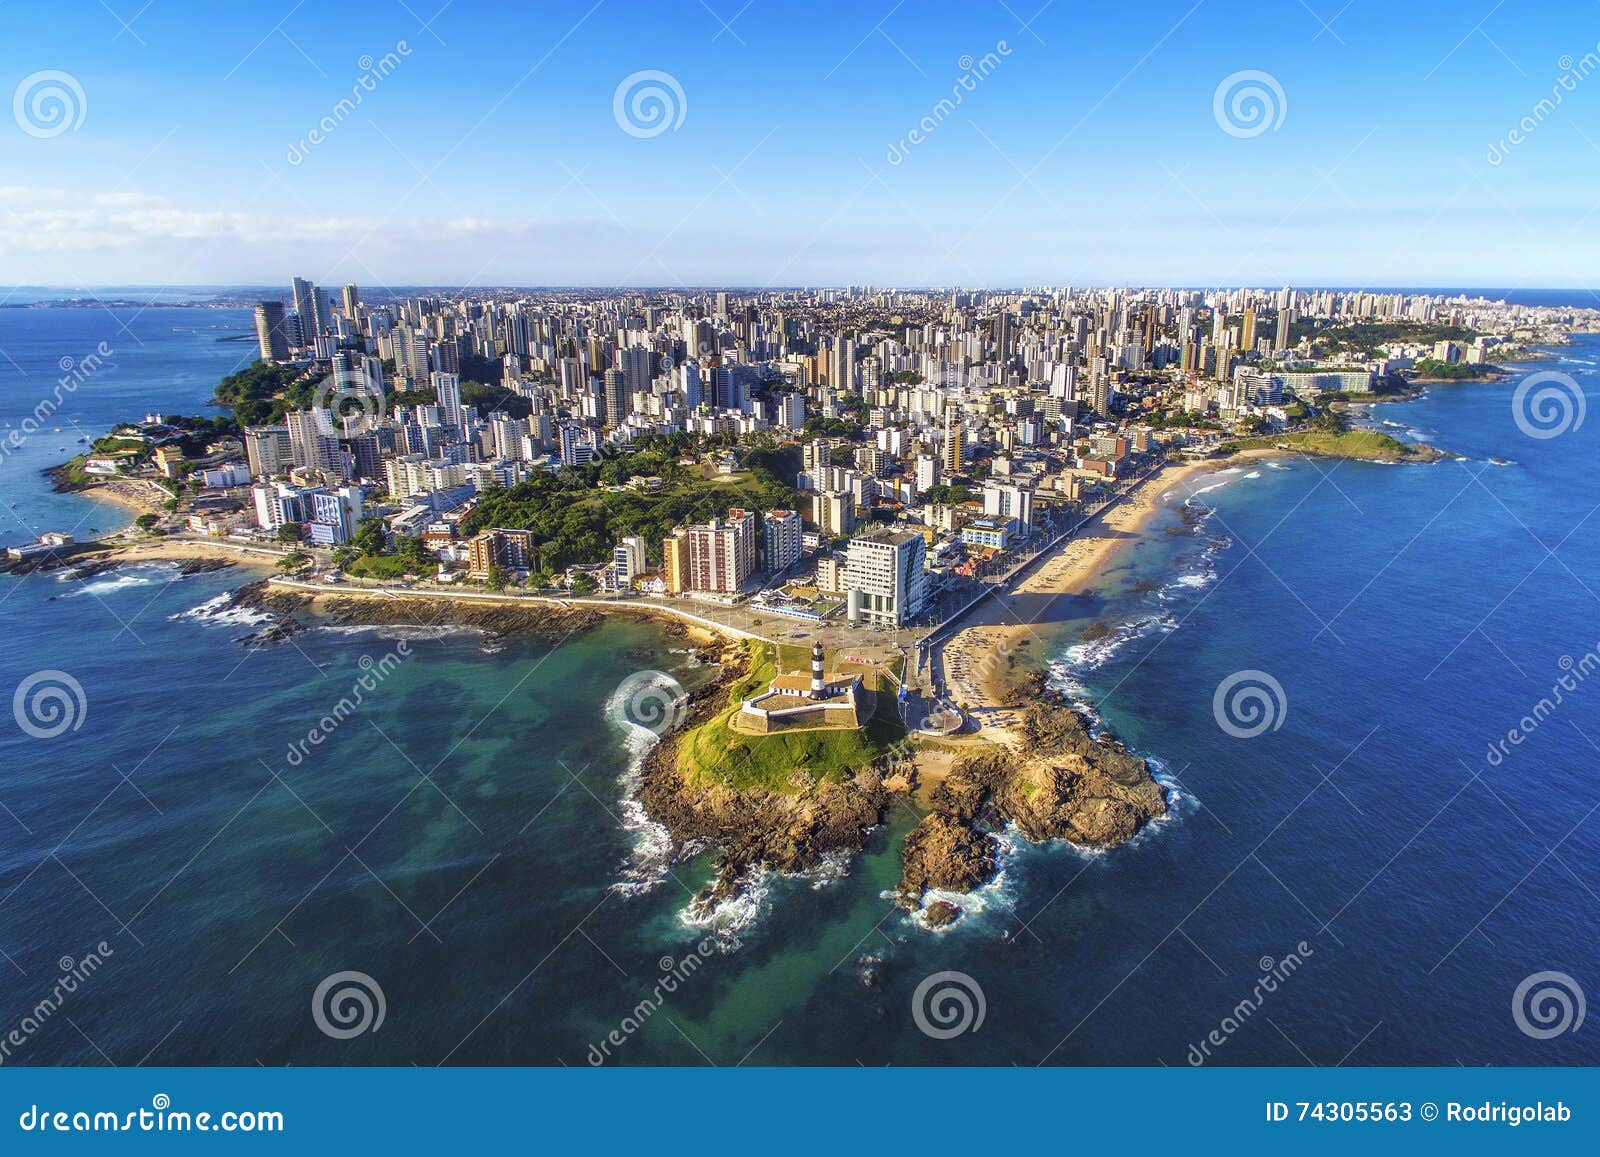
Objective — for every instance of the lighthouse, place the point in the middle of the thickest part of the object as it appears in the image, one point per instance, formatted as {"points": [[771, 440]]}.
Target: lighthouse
{"points": [[818, 688]]}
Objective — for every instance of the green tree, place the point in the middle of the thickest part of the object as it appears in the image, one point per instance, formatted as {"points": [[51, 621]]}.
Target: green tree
{"points": [[289, 532], [415, 553], [368, 538], [146, 521], [583, 584]]}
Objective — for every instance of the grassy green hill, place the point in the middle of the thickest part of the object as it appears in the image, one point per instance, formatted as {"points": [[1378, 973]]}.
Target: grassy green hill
{"points": [[713, 753]]}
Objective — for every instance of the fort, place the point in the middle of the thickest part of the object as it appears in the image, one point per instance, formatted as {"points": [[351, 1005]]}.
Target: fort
{"points": [[801, 700]]}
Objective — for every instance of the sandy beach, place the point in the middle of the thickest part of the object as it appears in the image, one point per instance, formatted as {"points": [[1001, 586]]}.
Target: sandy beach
{"points": [[984, 663], [188, 550], [130, 494]]}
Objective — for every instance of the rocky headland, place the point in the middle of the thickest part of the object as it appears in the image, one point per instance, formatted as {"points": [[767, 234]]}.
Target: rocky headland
{"points": [[1060, 783], [789, 830]]}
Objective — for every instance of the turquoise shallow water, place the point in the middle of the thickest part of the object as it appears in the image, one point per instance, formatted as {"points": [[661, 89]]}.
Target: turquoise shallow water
{"points": [[464, 837]]}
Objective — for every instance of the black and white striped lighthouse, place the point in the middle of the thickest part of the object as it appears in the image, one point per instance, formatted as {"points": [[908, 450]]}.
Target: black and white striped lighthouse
{"points": [[818, 689]]}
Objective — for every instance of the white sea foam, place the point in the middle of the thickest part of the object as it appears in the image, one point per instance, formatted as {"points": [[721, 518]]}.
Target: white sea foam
{"points": [[1193, 494], [996, 898], [833, 867], [128, 577], [1092, 654], [650, 858], [1067, 674], [730, 918], [422, 631], [220, 611]]}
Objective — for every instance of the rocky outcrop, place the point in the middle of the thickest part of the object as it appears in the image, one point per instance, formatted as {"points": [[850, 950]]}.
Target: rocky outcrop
{"points": [[88, 559], [749, 828], [948, 854], [1061, 783], [780, 830], [1073, 787], [542, 622]]}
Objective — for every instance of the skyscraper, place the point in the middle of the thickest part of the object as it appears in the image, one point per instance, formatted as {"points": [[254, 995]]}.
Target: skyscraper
{"points": [[352, 300], [783, 539], [616, 397], [447, 391], [313, 441], [842, 368], [722, 554], [271, 333], [635, 363], [884, 577], [308, 309], [952, 443]]}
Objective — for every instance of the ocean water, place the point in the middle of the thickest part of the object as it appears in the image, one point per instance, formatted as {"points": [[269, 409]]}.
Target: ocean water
{"points": [[464, 835], [98, 367]]}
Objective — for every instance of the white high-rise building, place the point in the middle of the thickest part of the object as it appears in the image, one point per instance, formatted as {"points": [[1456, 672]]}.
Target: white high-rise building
{"points": [[783, 529], [1003, 500], [792, 411], [447, 389], [842, 365], [884, 579], [628, 560], [634, 362]]}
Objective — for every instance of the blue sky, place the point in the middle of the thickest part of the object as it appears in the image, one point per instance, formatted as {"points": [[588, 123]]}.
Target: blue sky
{"points": [[1091, 152]]}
